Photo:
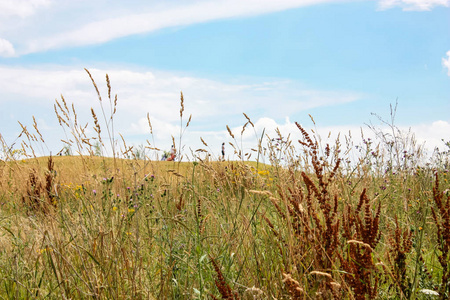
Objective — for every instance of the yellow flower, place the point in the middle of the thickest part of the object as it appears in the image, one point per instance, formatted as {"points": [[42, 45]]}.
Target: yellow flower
{"points": [[131, 210], [420, 228], [114, 208], [43, 250]]}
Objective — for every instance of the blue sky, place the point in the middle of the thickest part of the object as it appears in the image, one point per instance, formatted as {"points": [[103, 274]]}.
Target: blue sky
{"points": [[277, 61]]}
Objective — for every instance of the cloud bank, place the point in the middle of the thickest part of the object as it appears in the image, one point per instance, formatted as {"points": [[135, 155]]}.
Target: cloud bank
{"points": [[213, 104]]}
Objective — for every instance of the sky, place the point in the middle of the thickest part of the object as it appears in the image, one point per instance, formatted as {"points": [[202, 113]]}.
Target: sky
{"points": [[276, 61]]}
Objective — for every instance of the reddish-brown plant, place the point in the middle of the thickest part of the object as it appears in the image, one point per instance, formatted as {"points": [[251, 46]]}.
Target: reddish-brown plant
{"points": [[222, 285], [400, 244], [441, 217], [362, 235]]}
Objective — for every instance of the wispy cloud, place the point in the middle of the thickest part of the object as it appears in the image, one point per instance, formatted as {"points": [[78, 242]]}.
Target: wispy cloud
{"points": [[155, 17], [413, 5], [446, 63], [97, 22]]}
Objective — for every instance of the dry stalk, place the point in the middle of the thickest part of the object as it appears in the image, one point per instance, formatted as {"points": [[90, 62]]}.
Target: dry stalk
{"points": [[400, 244], [362, 234], [293, 287], [441, 217], [221, 284]]}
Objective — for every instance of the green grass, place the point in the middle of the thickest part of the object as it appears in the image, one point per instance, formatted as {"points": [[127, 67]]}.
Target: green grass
{"points": [[143, 236], [318, 222]]}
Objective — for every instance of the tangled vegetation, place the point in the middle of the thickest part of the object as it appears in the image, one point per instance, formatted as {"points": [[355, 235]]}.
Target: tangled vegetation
{"points": [[318, 222]]}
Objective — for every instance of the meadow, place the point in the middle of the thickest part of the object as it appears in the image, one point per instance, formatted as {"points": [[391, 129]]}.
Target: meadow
{"points": [[311, 221]]}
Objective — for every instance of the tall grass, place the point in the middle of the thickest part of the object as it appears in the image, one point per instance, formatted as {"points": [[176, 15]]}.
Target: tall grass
{"points": [[315, 223]]}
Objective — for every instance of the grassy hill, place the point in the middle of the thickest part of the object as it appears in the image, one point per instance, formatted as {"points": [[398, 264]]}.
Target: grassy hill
{"points": [[78, 227]]}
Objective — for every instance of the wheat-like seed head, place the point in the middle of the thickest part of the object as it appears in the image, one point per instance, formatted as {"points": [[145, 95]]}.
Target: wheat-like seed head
{"points": [[97, 126], [149, 123], [75, 115], [335, 285], [108, 84], [64, 102], [37, 130], [360, 243], [95, 85], [189, 121], [229, 131], [23, 144], [124, 143], [65, 111], [57, 115], [24, 129], [204, 143], [321, 274], [87, 142], [115, 105], [243, 128], [60, 108], [181, 104], [265, 193], [253, 125]]}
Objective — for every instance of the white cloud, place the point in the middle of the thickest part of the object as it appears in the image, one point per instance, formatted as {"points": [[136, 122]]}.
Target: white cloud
{"points": [[428, 135], [143, 91], [432, 134], [213, 104], [6, 48], [96, 22], [113, 20], [414, 5], [21, 8], [446, 63]]}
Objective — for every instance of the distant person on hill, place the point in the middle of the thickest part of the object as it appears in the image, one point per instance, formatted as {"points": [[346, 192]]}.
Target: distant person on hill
{"points": [[164, 156], [173, 151], [223, 151]]}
